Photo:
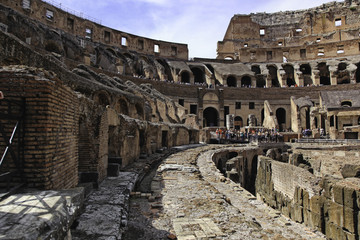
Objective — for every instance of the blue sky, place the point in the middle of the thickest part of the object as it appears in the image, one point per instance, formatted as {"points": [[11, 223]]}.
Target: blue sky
{"points": [[198, 23]]}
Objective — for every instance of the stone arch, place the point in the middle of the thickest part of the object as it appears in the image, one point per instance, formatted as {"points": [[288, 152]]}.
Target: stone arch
{"points": [[211, 117], [306, 71], [231, 81], [185, 77], [262, 116], [274, 76], [199, 76], [167, 69], [289, 75], [343, 75], [52, 46], [246, 81], [359, 121], [324, 73], [238, 122], [112, 51], [122, 106], [102, 98], [281, 118]]}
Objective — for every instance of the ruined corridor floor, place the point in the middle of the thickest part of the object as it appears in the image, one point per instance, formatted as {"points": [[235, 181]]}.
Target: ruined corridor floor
{"points": [[192, 200]]}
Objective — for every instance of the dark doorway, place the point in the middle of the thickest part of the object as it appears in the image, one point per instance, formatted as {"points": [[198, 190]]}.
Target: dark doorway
{"points": [[289, 74], [185, 77], [246, 81], [274, 78], [164, 139], [281, 117], [262, 116], [199, 76], [306, 71], [256, 69], [251, 184], [211, 117], [231, 81], [238, 123], [324, 74]]}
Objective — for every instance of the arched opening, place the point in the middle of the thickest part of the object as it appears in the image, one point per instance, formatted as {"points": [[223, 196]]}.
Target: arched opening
{"points": [[122, 107], [262, 116], [139, 111], [238, 122], [246, 81], [231, 81], [359, 121], [102, 99], [185, 77], [274, 76], [324, 74], [231, 155], [142, 142], [167, 69], [289, 74], [316, 122], [229, 58], [281, 117], [256, 69], [307, 118], [260, 81], [343, 76], [346, 103], [211, 117], [199, 76], [306, 71]]}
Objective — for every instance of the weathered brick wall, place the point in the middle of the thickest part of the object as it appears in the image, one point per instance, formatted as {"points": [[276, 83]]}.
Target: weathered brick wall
{"points": [[51, 126]]}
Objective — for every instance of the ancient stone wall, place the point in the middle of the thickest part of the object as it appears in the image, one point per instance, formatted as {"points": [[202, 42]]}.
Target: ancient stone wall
{"points": [[329, 205], [51, 123], [90, 30], [330, 30]]}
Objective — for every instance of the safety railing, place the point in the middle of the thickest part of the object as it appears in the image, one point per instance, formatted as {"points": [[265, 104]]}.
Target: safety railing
{"points": [[12, 115]]}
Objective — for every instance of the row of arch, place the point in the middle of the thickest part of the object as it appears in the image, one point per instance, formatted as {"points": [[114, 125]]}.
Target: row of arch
{"points": [[342, 75], [211, 118]]}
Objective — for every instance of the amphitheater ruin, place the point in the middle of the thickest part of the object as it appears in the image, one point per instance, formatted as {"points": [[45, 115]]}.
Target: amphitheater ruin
{"points": [[109, 135]]}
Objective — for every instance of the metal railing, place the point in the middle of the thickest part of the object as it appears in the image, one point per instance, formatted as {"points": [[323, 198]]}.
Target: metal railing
{"points": [[73, 12], [12, 117], [325, 140]]}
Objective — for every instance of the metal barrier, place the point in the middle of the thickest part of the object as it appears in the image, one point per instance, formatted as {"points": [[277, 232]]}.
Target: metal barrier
{"points": [[12, 117], [324, 140]]}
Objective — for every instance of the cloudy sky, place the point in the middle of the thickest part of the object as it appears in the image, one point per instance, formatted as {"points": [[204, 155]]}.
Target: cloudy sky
{"points": [[198, 23]]}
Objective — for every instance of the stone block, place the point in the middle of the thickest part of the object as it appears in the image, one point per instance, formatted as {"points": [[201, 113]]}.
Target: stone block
{"points": [[297, 214], [113, 169], [338, 193], [333, 231], [306, 216], [349, 219], [306, 200], [335, 213], [316, 203], [315, 220], [349, 197]]}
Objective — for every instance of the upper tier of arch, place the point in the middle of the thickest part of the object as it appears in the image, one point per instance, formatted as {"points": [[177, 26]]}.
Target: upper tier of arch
{"points": [[328, 31], [90, 30]]}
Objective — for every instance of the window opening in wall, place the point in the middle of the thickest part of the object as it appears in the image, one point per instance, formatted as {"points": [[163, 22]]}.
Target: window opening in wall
{"points": [[321, 52], [156, 48], [82, 43], [346, 103], [124, 41], [26, 4], [303, 53], [193, 109], [269, 55], [49, 14], [238, 105], [70, 23], [107, 36], [28, 40], [181, 102], [251, 105], [246, 45], [252, 55], [173, 50], [262, 32], [340, 49], [88, 33], [298, 30], [280, 43], [318, 39], [338, 22], [140, 44]]}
